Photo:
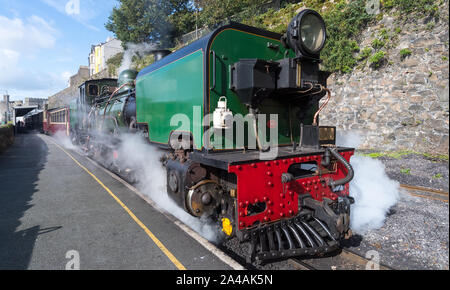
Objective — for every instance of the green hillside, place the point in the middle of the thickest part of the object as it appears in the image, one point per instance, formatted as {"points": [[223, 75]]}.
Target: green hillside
{"points": [[345, 21]]}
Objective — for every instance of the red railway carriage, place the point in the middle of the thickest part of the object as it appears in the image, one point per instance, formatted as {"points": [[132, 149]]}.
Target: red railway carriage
{"points": [[57, 120]]}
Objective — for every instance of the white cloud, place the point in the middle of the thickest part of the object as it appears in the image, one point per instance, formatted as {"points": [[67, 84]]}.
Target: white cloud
{"points": [[88, 10], [26, 36], [20, 42]]}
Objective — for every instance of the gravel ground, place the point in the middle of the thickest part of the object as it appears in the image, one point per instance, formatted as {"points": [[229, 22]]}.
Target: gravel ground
{"points": [[417, 170], [415, 235]]}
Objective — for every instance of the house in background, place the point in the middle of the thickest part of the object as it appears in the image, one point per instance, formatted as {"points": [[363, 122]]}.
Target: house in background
{"points": [[100, 54]]}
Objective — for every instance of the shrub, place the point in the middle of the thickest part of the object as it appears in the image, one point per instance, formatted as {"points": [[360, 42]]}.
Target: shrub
{"points": [[424, 7], [6, 136], [377, 43], [365, 53], [404, 53], [377, 59], [114, 63], [406, 171]]}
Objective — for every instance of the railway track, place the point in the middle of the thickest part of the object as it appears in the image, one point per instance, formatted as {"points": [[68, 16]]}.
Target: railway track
{"points": [[427, 193], [345, 260]]}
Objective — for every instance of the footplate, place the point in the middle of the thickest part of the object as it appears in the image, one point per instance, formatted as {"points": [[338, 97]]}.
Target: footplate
{"points": [[299, 236]]}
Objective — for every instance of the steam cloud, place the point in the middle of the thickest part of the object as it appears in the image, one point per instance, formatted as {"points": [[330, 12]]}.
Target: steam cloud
{"points": [[62, 139], [135, 153], [372, 189], [135, 49]]}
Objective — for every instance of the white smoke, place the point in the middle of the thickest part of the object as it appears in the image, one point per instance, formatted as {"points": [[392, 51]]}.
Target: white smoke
{"points": [[349, 139], [132, 50], [374, 192], [63, 140], [134, 152]]}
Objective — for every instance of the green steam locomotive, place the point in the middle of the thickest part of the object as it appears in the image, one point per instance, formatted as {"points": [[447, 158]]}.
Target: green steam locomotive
{"points": [[237, 112]]}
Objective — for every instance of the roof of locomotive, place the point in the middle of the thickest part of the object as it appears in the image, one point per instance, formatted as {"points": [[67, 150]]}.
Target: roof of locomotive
{"points": [[204, 44], [98, 81]]}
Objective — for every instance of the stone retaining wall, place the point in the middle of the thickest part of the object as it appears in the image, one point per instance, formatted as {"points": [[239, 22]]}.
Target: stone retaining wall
{"points": [[6, 137], [404, 104]]}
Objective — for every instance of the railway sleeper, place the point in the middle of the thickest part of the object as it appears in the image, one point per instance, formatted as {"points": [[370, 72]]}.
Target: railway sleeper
{"points": [[299, 236]]}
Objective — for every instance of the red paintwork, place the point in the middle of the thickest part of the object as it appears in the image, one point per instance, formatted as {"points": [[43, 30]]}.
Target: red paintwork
{"points": [[51, 128], [261, 182]]}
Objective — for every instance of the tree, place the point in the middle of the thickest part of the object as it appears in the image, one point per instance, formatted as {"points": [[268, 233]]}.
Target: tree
{"points": [[156, 21], [182, 18], [215, 11]]}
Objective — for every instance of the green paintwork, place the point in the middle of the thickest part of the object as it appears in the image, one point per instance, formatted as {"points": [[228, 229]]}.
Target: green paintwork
{"points": [[173, 89], [73, 113], [114, 113], [79, 108], [179, 87], [232, 45], [127, 77]]}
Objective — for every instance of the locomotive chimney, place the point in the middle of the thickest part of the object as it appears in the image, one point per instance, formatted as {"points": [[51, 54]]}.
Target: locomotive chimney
{"points": [[160, 54]]}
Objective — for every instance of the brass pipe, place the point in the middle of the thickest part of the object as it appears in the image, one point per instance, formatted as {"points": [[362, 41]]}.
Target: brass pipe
{"points": [[323, 105]]}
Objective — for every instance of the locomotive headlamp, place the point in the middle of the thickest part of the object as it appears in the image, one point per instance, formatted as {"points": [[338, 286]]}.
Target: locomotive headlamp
{"points": [[306, 34]]}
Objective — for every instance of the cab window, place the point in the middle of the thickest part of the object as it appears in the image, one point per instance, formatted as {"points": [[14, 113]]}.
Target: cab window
{"points": [[93, 90]]}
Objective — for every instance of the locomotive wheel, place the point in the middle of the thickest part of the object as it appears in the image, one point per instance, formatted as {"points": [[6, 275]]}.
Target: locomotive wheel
{"points": [[172, 181], [202, 199]]}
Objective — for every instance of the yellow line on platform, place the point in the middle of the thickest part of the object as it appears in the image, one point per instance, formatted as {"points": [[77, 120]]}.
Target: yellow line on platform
{"points": [[133, 216]]}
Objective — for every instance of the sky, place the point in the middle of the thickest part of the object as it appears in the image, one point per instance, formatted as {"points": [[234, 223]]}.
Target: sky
{"points": [[43, 43]]}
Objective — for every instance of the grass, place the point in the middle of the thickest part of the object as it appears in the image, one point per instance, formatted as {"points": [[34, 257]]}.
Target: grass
{"points": [[406, 171], [437, 176], [378, 43], [405, 52], [395, 154], [377, 59], [436, 157], [401, 153]]}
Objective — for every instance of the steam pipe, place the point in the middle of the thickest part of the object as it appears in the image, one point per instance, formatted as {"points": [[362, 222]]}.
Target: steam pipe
{"points": [[326, 158], [255, 130], [350, 172], [323, 105], [109, 100]]}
